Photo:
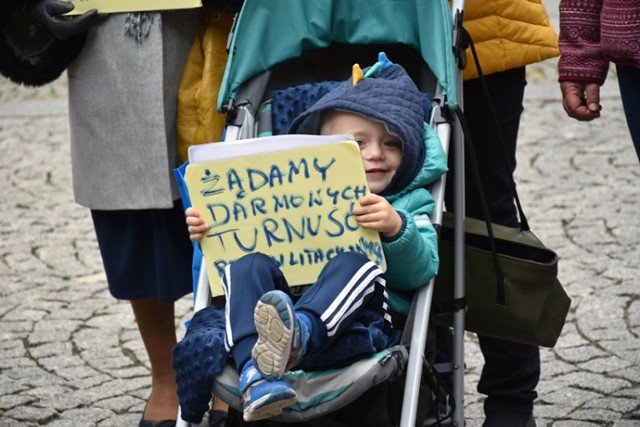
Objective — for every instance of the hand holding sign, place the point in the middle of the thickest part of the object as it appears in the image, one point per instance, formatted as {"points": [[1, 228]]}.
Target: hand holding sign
{"points": [[293, 204]]}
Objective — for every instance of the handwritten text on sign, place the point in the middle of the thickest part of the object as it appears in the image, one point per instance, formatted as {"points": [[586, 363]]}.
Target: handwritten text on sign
{"points": [[294, 206]]}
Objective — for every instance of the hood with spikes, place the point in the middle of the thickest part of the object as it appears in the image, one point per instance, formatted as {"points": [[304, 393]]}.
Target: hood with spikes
{"points": [[383, 92]]}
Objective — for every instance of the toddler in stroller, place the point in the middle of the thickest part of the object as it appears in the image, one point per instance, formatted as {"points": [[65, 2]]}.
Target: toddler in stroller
{"points": [[385, 112]]}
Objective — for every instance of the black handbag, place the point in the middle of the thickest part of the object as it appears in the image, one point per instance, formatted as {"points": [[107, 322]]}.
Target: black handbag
{"points": [[519, 300], [29, 55]]}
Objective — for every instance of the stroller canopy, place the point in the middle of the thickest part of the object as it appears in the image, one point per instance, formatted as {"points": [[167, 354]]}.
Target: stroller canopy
{"points": [[270, 32]]}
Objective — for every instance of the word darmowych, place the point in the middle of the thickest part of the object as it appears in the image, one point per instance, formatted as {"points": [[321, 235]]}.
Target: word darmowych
{"points": [[259, 215], [261, 204]]}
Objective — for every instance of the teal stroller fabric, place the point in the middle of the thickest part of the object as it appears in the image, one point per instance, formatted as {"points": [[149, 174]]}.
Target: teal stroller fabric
{"points": [[276, 30]]}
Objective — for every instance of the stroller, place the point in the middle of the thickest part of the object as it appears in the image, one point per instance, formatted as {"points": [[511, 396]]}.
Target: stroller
{"points": [[283, 43]]}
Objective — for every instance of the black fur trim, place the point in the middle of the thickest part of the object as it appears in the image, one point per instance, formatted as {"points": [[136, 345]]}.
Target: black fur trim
{"points": [[7, 7], [50, 66], [34, 71]]}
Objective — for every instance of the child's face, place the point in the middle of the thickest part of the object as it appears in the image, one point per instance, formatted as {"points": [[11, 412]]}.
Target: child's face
{"points": [[381, 151]]}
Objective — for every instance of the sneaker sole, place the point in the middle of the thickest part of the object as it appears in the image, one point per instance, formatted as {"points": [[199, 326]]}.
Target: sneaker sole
{"points": [[274, 322], [256, 412]]}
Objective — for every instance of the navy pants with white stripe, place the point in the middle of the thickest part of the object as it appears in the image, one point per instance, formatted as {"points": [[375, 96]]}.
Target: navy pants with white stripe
{"points": [[346, 285]]}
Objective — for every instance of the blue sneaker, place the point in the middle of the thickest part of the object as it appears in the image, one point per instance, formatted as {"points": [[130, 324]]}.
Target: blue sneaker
{"points": [[282, 337], [263, 399]]}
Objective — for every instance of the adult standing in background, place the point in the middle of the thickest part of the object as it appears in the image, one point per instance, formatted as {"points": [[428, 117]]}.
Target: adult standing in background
{"points": [[508, 35], [124, 71], [592, 34]]}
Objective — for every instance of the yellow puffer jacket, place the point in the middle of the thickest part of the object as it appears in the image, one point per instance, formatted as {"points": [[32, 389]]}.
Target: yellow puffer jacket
{"points": [[198, 120], [508, 34]]}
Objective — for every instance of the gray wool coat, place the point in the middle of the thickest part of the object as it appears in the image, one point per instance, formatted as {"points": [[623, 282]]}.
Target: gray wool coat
{"points": [[122, 112]]}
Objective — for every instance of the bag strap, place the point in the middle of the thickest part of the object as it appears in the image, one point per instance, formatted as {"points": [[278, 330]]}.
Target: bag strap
{"points": [[524, 224], [500, 291]]}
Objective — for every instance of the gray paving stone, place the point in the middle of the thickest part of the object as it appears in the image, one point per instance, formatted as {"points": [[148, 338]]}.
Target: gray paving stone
{"points": [[605, 365], [569, 396], [575, 424], [14, 401], [626, 423], [26, 414], [602, 416], [91, 416], [580, 354], [120, 420], [549, 411], [620, 405]]}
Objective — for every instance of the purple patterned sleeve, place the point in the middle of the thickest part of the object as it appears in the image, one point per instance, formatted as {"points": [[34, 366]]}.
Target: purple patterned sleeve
{"points": [[580, 55]]}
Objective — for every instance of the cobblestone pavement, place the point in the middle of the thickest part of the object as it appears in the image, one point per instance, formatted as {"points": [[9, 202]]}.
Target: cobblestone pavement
{"points": [[70, 355]]}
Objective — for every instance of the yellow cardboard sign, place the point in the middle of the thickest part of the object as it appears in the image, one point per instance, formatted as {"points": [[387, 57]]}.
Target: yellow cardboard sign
{"points": [[116, 6], [293, 205]]}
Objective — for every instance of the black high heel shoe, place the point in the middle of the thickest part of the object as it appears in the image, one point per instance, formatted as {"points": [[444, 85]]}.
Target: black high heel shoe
{"points": [[153, 423], [217, 418]]}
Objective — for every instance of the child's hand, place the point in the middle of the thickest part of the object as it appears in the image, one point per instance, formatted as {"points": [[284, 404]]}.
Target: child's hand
{"points": [[376, 213], [197, 226]]}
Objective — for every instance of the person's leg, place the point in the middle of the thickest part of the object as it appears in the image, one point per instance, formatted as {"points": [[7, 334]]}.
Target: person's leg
{"points": [[346, 285], [511, 371], [629, 81], [156, 324], [217, 415], [509, 378], [288, 335], [135, 246], [507, 92], [244, 282]]}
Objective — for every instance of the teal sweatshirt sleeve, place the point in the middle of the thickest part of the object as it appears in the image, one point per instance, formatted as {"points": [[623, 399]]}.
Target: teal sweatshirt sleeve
{"points": [[412, 258]]}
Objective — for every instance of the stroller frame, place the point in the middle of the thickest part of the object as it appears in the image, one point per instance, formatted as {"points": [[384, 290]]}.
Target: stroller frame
{"points": [[418, 321]]}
